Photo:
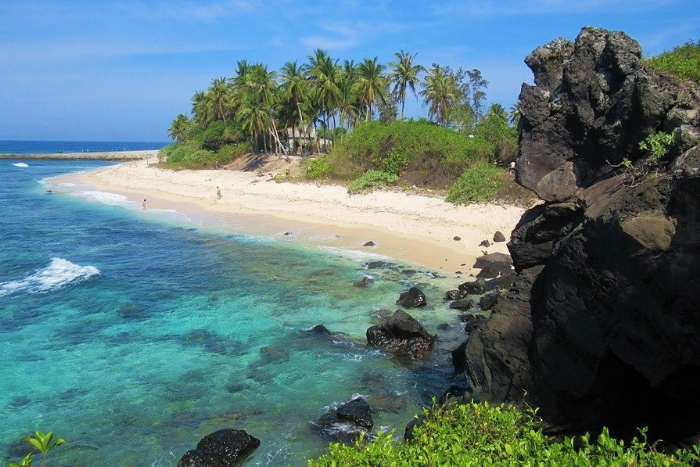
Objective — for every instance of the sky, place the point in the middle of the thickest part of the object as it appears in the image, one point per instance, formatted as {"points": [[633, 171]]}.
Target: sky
{"points": [[122, 70]]}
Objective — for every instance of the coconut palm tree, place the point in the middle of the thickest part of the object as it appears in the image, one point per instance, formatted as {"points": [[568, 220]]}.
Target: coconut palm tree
{"points": [[371, 85], [219, 99], [324, 76], [179, 128], [295, 88], [440, 92], [404, 76]]}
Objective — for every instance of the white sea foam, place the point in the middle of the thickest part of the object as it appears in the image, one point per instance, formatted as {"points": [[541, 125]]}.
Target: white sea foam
{"points": [[56, 275], [21, 165], [104, 197], [355, 255]]}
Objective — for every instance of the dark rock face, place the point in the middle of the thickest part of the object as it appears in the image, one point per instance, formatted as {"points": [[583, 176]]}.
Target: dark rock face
{"points": [[347, 421], [412, 298], [223, 448], [401, 334], [601, 324]]}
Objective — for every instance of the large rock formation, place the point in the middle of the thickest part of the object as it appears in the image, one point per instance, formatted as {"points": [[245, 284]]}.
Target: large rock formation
{"points": [[601, 324]]}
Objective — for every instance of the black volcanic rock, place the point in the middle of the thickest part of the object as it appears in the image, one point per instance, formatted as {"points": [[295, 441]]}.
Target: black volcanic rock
{"points": [[401, 334], [412, 298], [347, 422], [601, 326], [223, 448]]}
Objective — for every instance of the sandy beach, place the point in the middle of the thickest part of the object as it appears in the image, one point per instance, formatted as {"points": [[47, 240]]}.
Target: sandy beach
{"points": [[418, 229]]}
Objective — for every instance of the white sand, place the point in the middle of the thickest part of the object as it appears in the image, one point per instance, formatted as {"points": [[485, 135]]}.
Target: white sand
{"points": [[413, 228]]}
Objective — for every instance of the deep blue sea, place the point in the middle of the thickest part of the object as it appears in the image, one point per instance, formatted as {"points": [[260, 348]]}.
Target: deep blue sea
{"points": [[60, 147], [132, 334]]}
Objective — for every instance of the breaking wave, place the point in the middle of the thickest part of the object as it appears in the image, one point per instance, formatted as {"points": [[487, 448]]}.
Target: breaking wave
{"points": [[56, 275]]}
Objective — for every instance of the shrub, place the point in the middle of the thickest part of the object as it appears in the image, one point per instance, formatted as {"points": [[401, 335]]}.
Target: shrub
{"points": [[683, 61], [479, 183], [230, 152], [371, 180], [478, 434], [317, 168]]}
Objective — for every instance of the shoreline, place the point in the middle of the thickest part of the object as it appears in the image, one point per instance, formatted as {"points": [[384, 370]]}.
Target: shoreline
{"points": [[415, 229]]}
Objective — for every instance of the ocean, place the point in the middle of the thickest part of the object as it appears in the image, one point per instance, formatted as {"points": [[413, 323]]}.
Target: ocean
{"points": [[132, 334], [61, 147]]}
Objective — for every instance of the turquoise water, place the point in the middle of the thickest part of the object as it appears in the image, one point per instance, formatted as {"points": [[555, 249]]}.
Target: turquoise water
{"points": [[133, 334]]}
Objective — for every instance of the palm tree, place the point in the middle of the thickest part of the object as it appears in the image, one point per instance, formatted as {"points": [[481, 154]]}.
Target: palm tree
{"points": [[498, 112], [440, 92], [295, 88], [179, 128], [324, 76], [371, 84], [219, 99], [200, 108], [404, 76], [348, 107], [514, 118]]}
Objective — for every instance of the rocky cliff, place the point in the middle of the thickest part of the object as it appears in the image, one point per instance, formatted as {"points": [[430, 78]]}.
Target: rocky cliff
{"points": [[601, 326]]}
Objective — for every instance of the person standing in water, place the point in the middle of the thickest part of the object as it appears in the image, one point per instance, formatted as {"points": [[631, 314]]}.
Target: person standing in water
{"points": [[143, 205]]}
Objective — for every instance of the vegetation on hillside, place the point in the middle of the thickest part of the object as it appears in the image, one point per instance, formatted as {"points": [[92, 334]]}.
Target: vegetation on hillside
{"points": [[347, 115], [478, 434], [303, 108], [683, 61]]}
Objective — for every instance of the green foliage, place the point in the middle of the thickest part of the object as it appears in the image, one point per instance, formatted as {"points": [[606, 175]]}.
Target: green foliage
{"points": [[478, 434], [42, 442], [683, 61], [495, 129], [657, 145], [25, 462], [394, 147], [317, 168], [371, 180], [191, 156], [479, 183]]}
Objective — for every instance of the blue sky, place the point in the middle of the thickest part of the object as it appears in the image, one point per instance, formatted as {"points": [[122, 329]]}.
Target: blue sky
{"points": [[122, 70]]}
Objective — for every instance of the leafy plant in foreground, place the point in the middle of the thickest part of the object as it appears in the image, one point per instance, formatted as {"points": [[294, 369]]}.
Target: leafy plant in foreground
{"points": [[42, 442], [477, 434]]}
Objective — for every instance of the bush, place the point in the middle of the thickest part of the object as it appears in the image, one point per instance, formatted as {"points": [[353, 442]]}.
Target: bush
{"points": [[420, 152], [371, 180], [478, 434], [317, 168], [683, 61], [479, 183], [230, 152]]}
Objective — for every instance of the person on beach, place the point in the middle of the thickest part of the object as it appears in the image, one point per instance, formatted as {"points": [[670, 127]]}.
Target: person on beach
{"points": [[218, 193], [143, 205]]}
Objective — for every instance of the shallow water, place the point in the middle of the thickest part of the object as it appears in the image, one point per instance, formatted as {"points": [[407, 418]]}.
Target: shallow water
{"points": [[133, 334]]}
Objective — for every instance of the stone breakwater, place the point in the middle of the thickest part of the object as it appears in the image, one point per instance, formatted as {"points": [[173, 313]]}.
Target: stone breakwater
{"points": [[104, 156]]}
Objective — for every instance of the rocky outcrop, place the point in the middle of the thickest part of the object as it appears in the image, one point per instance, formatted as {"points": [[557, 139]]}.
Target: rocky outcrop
{"points": [[412, 298], [601, 324], [346, 422], [402, 335], [223, 448]]}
